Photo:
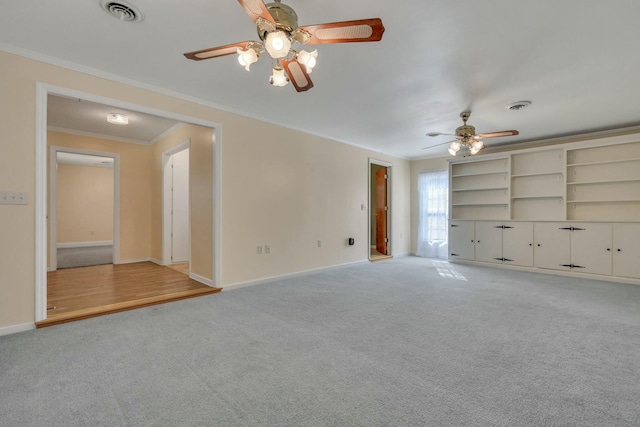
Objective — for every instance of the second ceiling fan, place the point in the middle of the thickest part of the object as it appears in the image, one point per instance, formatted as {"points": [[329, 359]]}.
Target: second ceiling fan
{"points": [[467, 138], [278, 30]]}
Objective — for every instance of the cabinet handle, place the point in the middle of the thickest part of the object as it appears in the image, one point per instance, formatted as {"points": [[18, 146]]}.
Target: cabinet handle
{"points": [[477, 241], [619, 250], [538, 244], [472, 241], [608, 249], [531, 244]]}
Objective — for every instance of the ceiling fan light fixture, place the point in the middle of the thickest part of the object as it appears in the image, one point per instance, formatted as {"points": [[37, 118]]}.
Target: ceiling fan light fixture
{"points": [[277, 44], [118, 119], [247, 57], [454, 147], [278, 78], [308, 59]]}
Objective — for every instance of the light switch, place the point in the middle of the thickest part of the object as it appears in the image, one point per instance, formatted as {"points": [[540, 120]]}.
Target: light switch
{"points": [[14, 198]]}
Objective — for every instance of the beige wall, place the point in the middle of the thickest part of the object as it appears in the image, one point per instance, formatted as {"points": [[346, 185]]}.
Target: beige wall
{"points": [[135, 188], [85, 203], [279, 187], [200, 194], [418, 166]]}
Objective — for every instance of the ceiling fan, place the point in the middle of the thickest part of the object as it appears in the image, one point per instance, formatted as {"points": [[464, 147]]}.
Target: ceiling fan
{"points": [[278, 30], [467, 138]]}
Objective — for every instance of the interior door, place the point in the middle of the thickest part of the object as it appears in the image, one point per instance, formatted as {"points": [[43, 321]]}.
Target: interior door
{"points": [[381, 211], [180, 207]]}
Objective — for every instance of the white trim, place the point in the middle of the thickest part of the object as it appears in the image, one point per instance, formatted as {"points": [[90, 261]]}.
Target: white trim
{"points": [[291, 275], [84, 244], [201, 279], [155, 261], [133, 261], [14, 329], [42, 92]]}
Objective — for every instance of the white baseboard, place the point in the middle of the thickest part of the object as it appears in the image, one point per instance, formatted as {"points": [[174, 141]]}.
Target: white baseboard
{"points": [[84, 244], [156, 261], [133, 261], [201, 279], [289, 275], [14, 329], [402, 255]]}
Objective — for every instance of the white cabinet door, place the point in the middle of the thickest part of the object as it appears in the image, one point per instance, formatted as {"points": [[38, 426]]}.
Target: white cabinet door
{"points": [[626, 247], [552, 245], [517, 243], [488, 241], [591, 248], [461, 240]]}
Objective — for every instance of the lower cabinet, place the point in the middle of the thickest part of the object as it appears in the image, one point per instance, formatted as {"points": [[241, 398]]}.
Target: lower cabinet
{"points": [[587, 247], [462, 240], [505, 242], [626, 250]]}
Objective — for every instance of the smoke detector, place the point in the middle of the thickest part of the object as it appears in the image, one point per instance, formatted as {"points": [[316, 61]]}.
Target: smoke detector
{"points": [[519, 105], [122, 10]]}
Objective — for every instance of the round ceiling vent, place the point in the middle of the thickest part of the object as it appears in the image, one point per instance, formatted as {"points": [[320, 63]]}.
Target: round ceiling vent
{"points": [[122, 10], [519, 105]]}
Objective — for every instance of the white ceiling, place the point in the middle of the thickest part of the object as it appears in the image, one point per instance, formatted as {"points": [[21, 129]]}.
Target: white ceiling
{"points": [[576, 60]]}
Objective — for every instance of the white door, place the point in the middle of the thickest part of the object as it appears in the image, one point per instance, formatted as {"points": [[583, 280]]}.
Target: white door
{"points": [[461, 240], [552, 245], [180, 206], [517, 243], [591, 248], [489, 241], [626, 247]]}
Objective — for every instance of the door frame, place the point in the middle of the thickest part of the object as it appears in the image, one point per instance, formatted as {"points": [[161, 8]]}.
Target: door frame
{"points": [[42, 91], [167, 205], [53, 200], [389, 167]]}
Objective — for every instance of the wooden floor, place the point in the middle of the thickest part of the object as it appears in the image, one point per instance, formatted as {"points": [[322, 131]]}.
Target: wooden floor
{"points": [[79, 293], [374, 255]]}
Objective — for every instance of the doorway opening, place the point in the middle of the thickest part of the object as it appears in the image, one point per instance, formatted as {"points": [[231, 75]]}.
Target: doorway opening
{"points": [[176, 215], [379, 210], [131, 239], [84, 213]]}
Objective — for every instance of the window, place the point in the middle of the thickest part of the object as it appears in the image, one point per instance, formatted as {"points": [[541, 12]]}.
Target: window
{"points": [[433, 209]]}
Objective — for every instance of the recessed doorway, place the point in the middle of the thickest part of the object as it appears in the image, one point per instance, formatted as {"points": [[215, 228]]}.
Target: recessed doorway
{"points": [[379, 210]]}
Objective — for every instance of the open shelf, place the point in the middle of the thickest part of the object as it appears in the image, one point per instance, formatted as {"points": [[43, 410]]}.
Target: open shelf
{"points": [[605, 162], [479, 204], [609, 181], [537, 197], [478, 174], [605, 201], [479, 189], [525, 175]]}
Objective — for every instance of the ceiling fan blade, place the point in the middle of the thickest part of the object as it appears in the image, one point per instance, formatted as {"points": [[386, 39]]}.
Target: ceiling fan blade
{"points": [[215, 52], [297, 75], [256, 9], [498, 134], [362, 30], [434, 134], [437, 145]]}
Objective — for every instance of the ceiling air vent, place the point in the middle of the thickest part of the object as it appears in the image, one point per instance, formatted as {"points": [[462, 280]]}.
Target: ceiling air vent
{"points": [[515, 106], [122, 10]]}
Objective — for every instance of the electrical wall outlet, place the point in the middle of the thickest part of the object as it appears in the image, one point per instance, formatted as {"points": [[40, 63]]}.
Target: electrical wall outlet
{"points": [[267, 249], [259, 249], [14, 198]]}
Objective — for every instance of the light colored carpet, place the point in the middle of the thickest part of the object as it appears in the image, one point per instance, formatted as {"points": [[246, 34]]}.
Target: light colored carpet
{"points": [[85, 256], [406, 342]]}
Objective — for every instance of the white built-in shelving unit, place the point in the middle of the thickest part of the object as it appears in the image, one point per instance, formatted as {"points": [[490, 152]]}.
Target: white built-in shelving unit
{"points": [[570, 208]]}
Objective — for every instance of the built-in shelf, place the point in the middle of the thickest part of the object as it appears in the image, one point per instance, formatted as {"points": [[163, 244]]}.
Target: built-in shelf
{"points": [[604, 201], [536, 197], [610, 181], [479, 189], [524, 175], [479, 204], [478, 174], [605, 162]]}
